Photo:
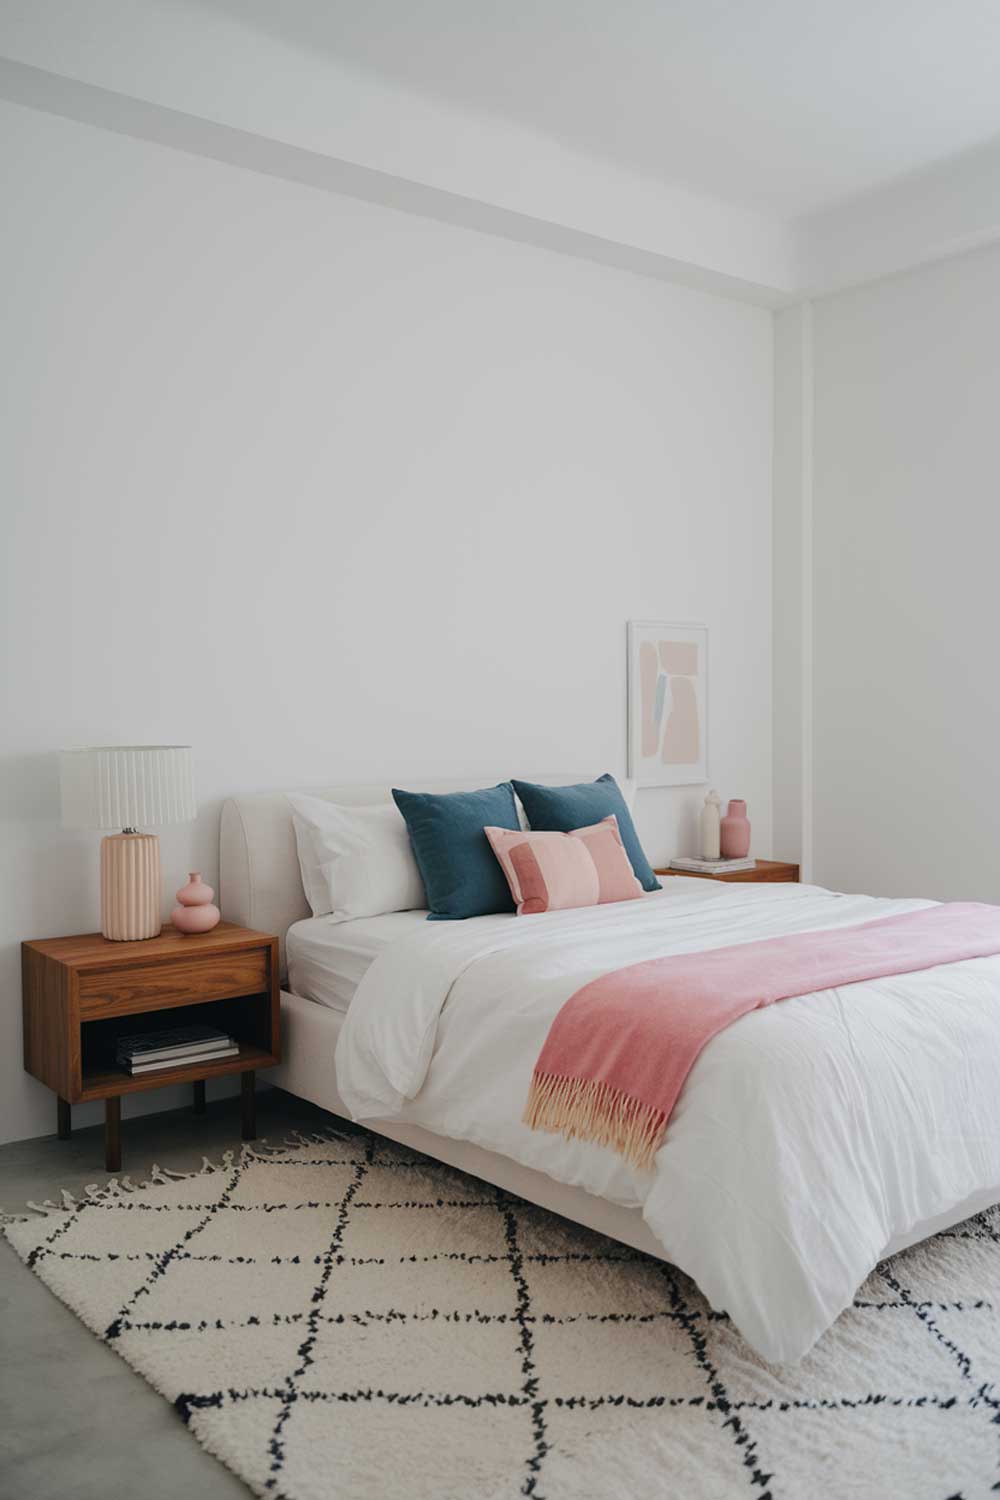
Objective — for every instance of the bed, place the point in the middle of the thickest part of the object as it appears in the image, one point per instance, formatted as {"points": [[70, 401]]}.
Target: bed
{"points": [[810, 1141]]}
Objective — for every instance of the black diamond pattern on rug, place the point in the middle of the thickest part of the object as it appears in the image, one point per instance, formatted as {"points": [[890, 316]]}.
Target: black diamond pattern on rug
{"points": [[346, 1318]]}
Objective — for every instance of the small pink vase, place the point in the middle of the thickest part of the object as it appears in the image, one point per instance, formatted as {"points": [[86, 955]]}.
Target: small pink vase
{"points": [[194, 911], [734, 837]]}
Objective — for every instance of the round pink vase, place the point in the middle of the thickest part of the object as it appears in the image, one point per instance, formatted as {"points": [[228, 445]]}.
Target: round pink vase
{"points": [[194, 911], [734, 837]]}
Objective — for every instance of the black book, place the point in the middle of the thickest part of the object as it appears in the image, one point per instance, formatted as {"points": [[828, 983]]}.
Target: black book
{"points": [[173, 1041]]}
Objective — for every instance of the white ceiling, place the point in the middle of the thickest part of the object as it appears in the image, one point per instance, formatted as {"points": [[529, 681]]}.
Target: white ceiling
{"points": [[783, 106], [763, 149]]}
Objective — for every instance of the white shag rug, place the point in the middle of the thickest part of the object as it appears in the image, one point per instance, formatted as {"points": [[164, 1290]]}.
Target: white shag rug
{"points": [[343, 1319]]}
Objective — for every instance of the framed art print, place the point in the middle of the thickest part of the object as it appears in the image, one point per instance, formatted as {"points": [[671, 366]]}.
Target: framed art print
{"points": [[667, 703]]}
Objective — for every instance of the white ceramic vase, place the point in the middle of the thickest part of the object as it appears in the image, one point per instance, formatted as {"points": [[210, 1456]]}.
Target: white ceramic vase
{"points": [[711, 824]]}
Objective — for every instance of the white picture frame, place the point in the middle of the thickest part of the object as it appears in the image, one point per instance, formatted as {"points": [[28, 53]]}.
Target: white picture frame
{"points": [[667, 703]]}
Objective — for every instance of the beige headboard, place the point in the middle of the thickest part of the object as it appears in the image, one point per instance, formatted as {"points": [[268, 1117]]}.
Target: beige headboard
{"points": [[259, 882]]}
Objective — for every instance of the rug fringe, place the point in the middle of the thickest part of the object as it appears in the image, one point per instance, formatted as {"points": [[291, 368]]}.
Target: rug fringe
{"points": [[595, 1111], [158, 1176], [315, 1137]]}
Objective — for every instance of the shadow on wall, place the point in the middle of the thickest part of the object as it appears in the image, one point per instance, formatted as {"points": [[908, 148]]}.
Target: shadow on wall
{"points": [[688, 835], [29, 787], [54, 864]]}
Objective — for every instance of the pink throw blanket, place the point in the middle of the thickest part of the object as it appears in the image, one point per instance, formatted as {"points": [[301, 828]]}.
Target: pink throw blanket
{"points": [[619, 1051]]}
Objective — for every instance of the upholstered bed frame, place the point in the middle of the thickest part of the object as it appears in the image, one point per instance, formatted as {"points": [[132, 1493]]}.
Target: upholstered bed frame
{"points": [[260, 886]]}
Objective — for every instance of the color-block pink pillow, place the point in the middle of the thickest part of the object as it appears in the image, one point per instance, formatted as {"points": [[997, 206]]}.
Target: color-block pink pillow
{"points": [[553, 871]]}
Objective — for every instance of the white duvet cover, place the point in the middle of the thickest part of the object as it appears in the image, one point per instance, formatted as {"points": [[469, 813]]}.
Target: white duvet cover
{"points": [[808, 1136]]}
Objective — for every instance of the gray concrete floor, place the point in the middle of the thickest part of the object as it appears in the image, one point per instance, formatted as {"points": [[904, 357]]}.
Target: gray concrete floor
{"points": [[75, 1422]]}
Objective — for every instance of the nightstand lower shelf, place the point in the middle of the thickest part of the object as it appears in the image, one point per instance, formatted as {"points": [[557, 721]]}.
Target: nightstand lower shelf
{"points": [[102, 1083], [110, 1086]]}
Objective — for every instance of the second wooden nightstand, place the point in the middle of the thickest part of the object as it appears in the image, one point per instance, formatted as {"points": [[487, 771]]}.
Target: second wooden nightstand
{"points": [[80, 994], [764, 870]]}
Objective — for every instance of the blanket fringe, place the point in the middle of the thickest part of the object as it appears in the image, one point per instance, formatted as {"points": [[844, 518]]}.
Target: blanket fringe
{"points": [[594, 1111]]}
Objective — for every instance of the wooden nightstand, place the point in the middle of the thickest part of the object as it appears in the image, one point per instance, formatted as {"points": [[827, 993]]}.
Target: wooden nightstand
{"points": [[765, 869], [81, 993]]}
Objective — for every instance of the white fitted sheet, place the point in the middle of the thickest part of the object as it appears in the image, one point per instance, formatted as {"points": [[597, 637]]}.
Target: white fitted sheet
{"points": [[328, 958]]}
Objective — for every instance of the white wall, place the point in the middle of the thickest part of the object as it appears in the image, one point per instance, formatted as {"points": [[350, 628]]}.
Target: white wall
{"points": [[792, 602], [907, 538], [333, 492]]}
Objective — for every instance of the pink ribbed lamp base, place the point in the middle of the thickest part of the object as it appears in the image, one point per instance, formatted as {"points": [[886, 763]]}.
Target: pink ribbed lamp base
{"points": [[130, 886]]}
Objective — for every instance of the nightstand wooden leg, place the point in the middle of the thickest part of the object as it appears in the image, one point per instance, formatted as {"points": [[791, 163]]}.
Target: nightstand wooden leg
{"points": [[249, 1106], [199, 1097], [64, 1115], [113, 1134]]}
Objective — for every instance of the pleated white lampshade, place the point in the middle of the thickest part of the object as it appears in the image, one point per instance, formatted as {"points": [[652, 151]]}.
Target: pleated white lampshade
{"points": [[127, 786]]}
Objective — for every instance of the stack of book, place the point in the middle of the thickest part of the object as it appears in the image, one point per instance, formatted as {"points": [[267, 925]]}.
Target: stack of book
{"points": [[712, 866], [174, 1047]]}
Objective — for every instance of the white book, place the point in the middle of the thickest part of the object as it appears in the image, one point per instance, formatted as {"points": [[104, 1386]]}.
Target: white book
{"points": [[182, 1062], [712, 866]]}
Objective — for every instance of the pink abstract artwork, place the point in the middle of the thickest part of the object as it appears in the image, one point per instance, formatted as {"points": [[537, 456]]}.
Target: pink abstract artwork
{"points": [[648, 676], [667, 703], [681, 737]]}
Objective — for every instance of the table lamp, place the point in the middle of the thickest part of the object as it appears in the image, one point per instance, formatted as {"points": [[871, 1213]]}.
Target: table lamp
{"points": [[125, 786]]}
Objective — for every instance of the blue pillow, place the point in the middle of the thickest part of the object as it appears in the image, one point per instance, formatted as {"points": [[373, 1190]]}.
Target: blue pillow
{"points": [[560, 809], [461, 874]]}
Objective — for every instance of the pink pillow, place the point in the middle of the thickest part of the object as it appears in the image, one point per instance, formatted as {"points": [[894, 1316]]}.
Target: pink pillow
{"points": [[553, 871]]}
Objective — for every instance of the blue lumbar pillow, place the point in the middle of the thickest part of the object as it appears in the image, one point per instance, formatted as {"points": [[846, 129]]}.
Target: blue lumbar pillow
{"points": [[461, 874], [560, 809]]}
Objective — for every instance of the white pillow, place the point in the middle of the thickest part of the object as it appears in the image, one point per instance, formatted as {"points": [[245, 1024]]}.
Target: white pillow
{"points": [[355, 861]]}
